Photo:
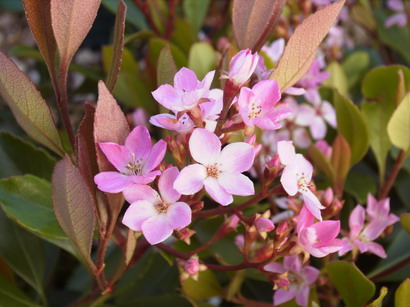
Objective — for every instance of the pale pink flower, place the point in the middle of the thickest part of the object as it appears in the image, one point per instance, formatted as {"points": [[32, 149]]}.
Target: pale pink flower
{"points": [[186, 92], [316, 117], [379, 211], [139, 117], [183, 124], [361, 236], [257, 106], [318, 239], [135, 161], [300, 278], [218, 170], [242, 67], [297, 176], [312, 80], [275, 50], [399, 18], [156, 216]]}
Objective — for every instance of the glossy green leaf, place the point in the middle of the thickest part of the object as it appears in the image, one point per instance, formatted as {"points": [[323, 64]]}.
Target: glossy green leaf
{"points": [[118, 44], [29, 108], [196, 11], [398, 127], [157, 44], [202, 59], [351, 124], [134, 15], [352, 285], [395, 37], [19, 157], [359, 184], [73, 205], [23, 253], [166, 68], [402, 295], [205, 287], [11, 296], [355, 66], [405, 221], [183, 35], [322, 162], [379, 301], [337, 79]]}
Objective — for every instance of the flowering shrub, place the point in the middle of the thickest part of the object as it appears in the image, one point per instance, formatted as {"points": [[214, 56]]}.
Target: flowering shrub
{"points": [[210, 169]]}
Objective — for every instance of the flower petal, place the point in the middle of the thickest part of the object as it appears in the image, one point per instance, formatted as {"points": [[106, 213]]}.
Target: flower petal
{"points": [[112, 182], [326, 231], [191, 179], [282, 296], [185, 79], [167, 96], [289, 180], [156, 229], [137, 213], [318, 128], [205, 147], [236, 184], [311, 274], [267, 92], [312, 204], [138, 192], [166, 185], [275, 267], [179, 215], [217, 192], [118, 155], [356, 221], [286, 152], [237, 157], [139, 142], [302, 297], [155, 156]]}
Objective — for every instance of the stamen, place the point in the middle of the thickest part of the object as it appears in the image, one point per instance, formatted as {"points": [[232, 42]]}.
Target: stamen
{"points": [[135, 166], [161, 207], [212, 170]]}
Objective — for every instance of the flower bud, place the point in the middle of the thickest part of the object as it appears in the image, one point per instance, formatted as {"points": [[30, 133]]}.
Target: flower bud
{"points": [[328, 197], [264, 225], [242, 66], [192, 266]]}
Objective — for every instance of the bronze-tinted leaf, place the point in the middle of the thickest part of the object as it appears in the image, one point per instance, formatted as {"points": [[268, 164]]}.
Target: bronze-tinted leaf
{"points": [[73, 205], [29, 108], [301, 48], [253, 21], [341, 163]]}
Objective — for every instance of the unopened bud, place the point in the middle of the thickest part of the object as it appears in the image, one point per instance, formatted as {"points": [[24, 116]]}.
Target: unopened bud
{"points": [[185, 235], [197, 206], [192, 266], [264, 225], [328, 197]]}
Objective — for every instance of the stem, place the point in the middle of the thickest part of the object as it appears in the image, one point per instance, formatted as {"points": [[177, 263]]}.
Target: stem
{"points": [[218, 211], [143, 6], [385, 190], [393, 269], [230, 91], [233, 128], [171, 19]]}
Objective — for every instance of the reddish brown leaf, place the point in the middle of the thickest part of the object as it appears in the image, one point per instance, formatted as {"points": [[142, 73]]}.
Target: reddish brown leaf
{"points": [[253, 21], [73, 206], [301, 48], [29, 108], [39, 19], [341, 163], [71, 21], [118, 44]]}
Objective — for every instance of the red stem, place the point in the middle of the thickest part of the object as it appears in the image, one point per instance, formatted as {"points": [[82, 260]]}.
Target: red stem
{"points": [[143, 6], [385, 190]]}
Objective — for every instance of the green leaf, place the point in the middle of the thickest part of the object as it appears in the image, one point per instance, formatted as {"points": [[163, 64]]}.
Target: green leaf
{"points": [[322, 162], [166, 68], [205, 287], [202, 59], [19, 157], [196, 11], [337, 79], [405, 221], [352, 285], [23, 253], [355, 66], [29, 108], [377, 115], [379, 301], [155, 47], [398, 127], [118, 44], [402, 295], [73, 205], [27, 201], [11, 296], [395, 37], [351, 124], [134, 15], [359, 184], [341, 163]]}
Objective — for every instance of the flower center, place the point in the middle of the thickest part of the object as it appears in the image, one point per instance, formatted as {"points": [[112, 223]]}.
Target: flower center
{"points": [[295, 279], [212, 170], [134, 166], [161, 207], [254, 111], [303, 183]]}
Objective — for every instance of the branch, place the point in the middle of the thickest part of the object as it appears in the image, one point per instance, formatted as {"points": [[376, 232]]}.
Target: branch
{"points": [[385, 190]]}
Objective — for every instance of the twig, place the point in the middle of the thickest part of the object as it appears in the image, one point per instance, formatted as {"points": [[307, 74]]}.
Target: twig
{"points": [[143, 6], [385, 190]]}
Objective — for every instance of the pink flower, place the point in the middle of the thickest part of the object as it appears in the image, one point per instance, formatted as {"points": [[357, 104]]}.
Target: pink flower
{"points": [[318, 239], [257, 106], [316, 117], [192, 266], [379, 211], [135, 161], [297, 175], [275, 50], [182, 124], [299, 276], [312, 80], [139, 117], [361, 236], [156, 216], [264, 224], [186, 92], [219, 171], [242, 66], [325, 148], [400, 18]]}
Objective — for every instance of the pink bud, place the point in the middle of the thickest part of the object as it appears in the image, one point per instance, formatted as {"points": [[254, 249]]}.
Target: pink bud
{"points": [[232, 223], [242, 66], [274, 162], [139, 117], [264, 225], [328, 196], [192, 266]]}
